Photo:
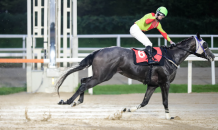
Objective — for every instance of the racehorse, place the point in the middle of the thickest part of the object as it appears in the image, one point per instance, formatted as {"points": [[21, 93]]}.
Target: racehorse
{"points": [[108, 61]]}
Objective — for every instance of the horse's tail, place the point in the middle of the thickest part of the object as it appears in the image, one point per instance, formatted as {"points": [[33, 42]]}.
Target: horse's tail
{"points": [[85, 63]]}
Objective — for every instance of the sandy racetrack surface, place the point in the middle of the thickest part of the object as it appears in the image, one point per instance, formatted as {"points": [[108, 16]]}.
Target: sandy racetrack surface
{"points": [[40, 111]]}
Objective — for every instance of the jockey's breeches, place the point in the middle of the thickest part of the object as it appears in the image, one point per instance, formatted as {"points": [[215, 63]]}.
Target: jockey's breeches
{"points": [[136, 32]]}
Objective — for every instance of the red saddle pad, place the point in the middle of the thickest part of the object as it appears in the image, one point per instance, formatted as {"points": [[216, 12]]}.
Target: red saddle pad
{"points": [[141, 56]]}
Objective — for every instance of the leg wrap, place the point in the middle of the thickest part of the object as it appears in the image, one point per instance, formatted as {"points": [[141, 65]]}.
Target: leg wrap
{"points": [[166, 110], [132, 109]]}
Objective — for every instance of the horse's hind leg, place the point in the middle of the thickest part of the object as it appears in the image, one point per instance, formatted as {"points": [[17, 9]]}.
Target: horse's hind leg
{"points": [[83, 81], [93, 81], [89, 84], [150, 90]]}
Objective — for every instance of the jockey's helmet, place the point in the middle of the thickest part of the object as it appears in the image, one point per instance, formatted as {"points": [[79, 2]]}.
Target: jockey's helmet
{"points": [[161, 11]]}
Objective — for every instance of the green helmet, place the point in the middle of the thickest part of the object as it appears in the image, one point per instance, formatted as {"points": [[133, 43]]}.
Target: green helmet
{"points": [[162, 10]]}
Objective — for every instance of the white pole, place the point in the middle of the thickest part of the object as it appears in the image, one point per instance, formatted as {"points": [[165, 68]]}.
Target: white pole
{"points": [[28, 47], [129, 81], [52, 44], [45, 28], [213, 72], [75, 39], [189, 76], [159, 41], [89, 75], [212, 65], [211, 41], [59, 29], [118, 40], [23, 51]]}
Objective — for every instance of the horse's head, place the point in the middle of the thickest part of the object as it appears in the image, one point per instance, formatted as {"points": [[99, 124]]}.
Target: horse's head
{"points": [[202, 49]]}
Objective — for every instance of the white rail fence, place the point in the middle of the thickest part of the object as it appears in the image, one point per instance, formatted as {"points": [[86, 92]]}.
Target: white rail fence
{"points": [[13, 52]]}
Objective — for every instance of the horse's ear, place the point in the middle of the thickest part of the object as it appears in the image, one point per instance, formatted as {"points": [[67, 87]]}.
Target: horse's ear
{"points": [[198, 36]]}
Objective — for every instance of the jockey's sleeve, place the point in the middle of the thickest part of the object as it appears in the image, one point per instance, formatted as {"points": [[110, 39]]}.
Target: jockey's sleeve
{"points": [[150, 18], [163, 33]]}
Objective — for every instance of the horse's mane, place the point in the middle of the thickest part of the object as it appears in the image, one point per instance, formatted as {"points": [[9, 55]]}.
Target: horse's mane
{"points": [[179, 43], [184, 40]]}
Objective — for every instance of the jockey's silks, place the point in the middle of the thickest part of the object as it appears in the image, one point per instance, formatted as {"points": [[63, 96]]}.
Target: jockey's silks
{"points": [[148, 22]]}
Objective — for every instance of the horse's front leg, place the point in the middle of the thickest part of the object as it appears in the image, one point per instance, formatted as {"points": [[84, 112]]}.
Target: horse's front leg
{"points": [[165, 92], [150, 90]]}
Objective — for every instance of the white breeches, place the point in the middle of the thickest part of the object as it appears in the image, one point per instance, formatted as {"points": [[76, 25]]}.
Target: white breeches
{"points": [[136, 32]]}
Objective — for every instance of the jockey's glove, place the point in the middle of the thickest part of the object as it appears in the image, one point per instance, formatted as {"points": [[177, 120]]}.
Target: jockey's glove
{"points": [[172, 45]]}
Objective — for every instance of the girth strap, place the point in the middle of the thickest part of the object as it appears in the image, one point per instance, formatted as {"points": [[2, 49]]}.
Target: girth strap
{"points": [[148, 77]]}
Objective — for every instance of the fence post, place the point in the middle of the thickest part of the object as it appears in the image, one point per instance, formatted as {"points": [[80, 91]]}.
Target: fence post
{"points": [[89, 75], [159, 41], [211, 41], [189, 76], [118, 40], [129, 81], [213, 72], [165, 42]]}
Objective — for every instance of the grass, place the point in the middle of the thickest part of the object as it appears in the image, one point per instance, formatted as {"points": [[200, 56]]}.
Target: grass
{"points": [[128, 89], [139, 88], [10, 90]]}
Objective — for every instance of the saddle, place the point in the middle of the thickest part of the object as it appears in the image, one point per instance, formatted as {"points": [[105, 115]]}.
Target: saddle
{"points": [[140, 56]]}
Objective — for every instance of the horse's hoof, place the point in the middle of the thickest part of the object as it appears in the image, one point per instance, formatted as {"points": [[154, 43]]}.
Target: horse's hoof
{"points": [[124, 110], [61, 102], [73, 104], [168, 117]]}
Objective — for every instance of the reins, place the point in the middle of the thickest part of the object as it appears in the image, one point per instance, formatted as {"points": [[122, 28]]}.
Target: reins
{"points": [[170, 60], [191, 52]]}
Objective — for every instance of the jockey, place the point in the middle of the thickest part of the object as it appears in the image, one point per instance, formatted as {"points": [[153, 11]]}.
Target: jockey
{"points": [[148, 22]]}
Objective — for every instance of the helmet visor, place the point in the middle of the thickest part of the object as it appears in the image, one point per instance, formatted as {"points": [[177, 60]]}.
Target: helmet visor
{"points": [[161, 14]]}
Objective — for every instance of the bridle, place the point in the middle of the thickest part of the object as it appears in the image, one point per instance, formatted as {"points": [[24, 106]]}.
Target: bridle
{"points": [[192, 52]]}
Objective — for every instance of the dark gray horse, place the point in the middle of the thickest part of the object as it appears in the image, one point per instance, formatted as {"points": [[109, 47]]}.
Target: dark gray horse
{"points": [[109, 61]]}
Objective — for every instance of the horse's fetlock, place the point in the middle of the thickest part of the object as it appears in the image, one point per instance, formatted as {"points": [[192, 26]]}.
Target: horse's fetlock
{"points": [[142, 105], [167, 110]]}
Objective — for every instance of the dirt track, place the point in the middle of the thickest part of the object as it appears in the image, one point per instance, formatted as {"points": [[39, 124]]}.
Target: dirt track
{"points": [[197, 111]]}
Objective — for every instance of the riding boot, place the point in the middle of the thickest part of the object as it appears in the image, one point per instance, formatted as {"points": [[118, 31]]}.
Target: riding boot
{"points": [[149, 52]]}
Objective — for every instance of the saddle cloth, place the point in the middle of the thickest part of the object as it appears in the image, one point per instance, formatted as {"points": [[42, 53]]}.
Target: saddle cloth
{"points": [[141, 58]]}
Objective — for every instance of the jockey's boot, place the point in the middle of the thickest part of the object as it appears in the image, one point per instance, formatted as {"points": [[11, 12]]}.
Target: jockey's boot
{"points": [[150, 60]]}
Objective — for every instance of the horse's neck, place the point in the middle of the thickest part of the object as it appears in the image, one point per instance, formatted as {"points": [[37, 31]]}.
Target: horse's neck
{"points": [[180, 55]]}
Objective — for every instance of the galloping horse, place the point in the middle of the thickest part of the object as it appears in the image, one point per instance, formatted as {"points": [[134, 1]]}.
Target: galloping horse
{"points": [[108, 61]]}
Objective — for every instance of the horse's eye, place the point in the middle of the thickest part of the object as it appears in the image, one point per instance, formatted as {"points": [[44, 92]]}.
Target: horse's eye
{"points": [[205, 45]]}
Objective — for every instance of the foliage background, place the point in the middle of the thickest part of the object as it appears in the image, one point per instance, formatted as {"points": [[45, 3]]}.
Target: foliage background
{"points": [[116, 16]]}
